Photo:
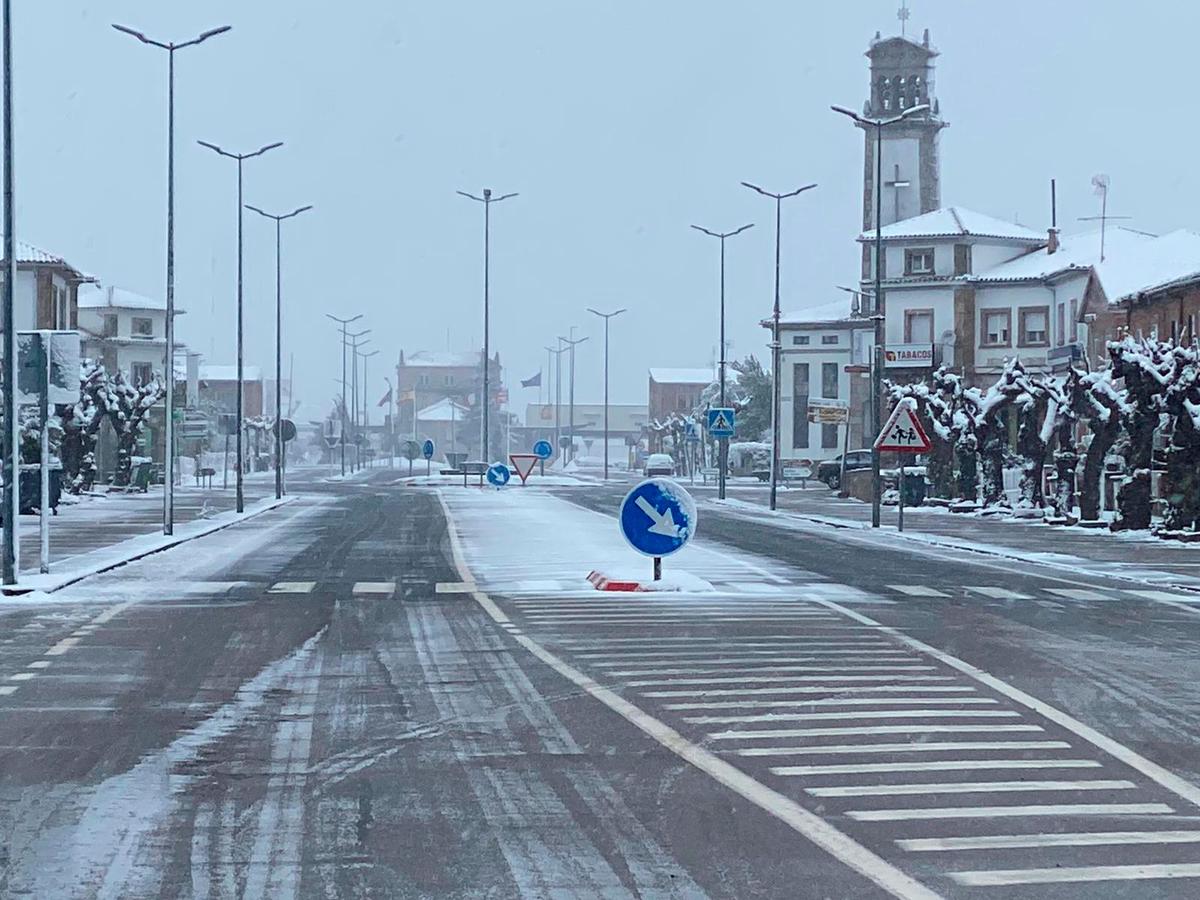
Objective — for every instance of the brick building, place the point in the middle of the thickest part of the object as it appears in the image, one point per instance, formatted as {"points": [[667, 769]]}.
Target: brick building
{"points": [[678, 390]]}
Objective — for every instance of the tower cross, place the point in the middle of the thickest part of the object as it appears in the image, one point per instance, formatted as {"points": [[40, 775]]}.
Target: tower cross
{"points": [[903, 15], [895, 184]]}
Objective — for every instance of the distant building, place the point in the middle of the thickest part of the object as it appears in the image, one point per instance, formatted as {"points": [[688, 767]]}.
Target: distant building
{"points": [[218, 389], [677, 390], [123, 331], [626, 422], [443, 423], [45, 295], [427, 376]]}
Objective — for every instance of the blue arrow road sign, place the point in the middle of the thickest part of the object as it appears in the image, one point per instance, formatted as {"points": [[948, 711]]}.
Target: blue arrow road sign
{"points": [[498, 474], [543, 449], [720, 422], [427, 449], [658, 517]]}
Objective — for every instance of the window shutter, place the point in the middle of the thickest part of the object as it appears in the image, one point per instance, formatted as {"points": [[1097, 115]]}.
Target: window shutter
{"points": [[45, 300]]}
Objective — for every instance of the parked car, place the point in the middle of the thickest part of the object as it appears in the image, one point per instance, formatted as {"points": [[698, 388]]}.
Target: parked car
{"points": [[659, 464], [830, 471]]}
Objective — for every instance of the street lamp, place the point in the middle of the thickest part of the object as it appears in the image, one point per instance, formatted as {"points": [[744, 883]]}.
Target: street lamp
{"points": [[723, 443], [240, 158], [880, 310], [570, 348], [364, 357], [776, 346], [487, 200], [279, 338], [354, 345], [11, 465], [605, 317], [343, 323], [558, 352], [169, 358]]}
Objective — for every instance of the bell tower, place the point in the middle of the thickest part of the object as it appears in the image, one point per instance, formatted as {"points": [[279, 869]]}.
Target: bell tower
{"points": [[902, 77]]}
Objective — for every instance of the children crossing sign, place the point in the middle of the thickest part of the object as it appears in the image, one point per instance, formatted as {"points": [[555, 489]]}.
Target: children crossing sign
{"points": [[720, 422], [903, 432]]}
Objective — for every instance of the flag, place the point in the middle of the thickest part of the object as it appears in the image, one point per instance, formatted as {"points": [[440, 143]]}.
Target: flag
{"points": [[535, 381], [387, 398]]}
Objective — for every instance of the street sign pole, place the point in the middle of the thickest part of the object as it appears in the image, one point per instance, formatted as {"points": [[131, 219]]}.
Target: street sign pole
{"points": [[900, 508], [658, 568]]}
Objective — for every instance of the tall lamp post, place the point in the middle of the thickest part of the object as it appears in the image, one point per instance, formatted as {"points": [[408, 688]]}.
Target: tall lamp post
{"points": [[776, 346], [343, 323], [11, 564], [605, 317], [240, 158], [723, 444], [570, 348], [558, 352], [354, 345], [487, 200], [364, 357], [279, 338], [169, 360], [879, 313]]}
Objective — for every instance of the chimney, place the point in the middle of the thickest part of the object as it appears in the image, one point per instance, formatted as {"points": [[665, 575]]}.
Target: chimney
{"points": [[925, 41], [1052, 243]]}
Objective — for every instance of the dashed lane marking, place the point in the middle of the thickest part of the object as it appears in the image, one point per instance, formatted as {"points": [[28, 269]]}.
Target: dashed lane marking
{"points": [[999, 593], [7, 689], [22, 676], [990, 812], [917, 590], [454, 587], [1079, 594], [374, 587], [63, 646], [292, 587]]}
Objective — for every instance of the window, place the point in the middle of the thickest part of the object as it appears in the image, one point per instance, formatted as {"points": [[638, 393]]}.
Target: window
{"points": [[110, 326], [1074, 320], [1034, 321], [423, 380], [962, 259], [1060, 325], [829, 339], [141, 373], [996, 326], [61, 308], [142, 328], [799, 340], [449, 381], [918, 262], [800, 405], [918, 326], [829, 380]]}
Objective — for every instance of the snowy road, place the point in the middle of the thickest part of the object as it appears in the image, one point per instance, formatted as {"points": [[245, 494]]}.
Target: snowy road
{"points": [[344, 700]]}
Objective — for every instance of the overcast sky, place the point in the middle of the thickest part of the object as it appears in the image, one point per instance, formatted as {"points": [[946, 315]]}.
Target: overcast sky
{"points": [[619, 123]]}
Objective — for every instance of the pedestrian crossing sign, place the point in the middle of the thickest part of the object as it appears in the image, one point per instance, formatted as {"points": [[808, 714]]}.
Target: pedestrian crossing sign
{"points": [[720, 422], [903, 432]]}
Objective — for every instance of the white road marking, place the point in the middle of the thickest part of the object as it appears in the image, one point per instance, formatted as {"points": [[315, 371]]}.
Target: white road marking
{"points": [[720, 669], [914, 747], [829, 701], [8, 689], [454, 587], [825, 689], [1165, 596], [374, 587], [292, 587], [1054, 839], [966, 787], [917, 590], [743, 735], [774, 653], [762, 640], [989, 812], [999, 593], [22, 676], [1078, 874], [63, 646], [939, 765], [808, 825], [831, 681], [858, 715], [39, 664], [1156, 773], [1080, 594], [848, 663]]}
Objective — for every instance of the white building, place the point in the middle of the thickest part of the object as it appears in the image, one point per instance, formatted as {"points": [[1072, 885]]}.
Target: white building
{"points": [[124, 331], [45, 293]]}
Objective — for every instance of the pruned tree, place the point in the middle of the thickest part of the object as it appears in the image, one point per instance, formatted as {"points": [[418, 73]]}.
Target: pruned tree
{"points": [[1062, 418], [1143, 366], [81, 425], [988, 410], [1035, 429], [1097, 401], [126, 407], [1181, 401]]}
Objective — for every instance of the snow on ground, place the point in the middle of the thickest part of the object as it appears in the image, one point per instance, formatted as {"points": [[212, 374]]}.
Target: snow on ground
{"points": [[533, 542]]}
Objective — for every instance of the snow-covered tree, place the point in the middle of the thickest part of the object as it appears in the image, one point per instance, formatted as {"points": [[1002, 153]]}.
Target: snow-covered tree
{"points": [[81, 425], [1145, 368], [1062, 420], [754, 399], [1035, 429], [1181, 401], [127, 407], [1097, 401], [987, 412]]}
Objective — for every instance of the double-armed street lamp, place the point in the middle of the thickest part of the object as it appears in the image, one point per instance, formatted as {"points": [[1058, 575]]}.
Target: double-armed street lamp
{"points": [[723, 443], [239, 158], [278, 219], [776, 346], [570, 344], [169, 360], [605, 317], [487, 200], [355, 344], [364, 357], [880, 311], [343, 323]]}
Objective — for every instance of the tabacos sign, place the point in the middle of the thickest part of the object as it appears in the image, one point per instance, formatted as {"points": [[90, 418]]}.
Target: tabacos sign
{"points": [[911, 355]]}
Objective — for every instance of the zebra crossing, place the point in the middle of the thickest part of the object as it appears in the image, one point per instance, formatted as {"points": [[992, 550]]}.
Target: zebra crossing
{"points": [[925, 765]]}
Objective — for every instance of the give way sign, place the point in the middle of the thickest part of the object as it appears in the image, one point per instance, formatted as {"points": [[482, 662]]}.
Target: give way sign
{"points": [[903, 432]]}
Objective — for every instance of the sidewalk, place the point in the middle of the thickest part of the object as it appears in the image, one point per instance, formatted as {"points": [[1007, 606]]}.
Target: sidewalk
{"points": [[1134, 556]]}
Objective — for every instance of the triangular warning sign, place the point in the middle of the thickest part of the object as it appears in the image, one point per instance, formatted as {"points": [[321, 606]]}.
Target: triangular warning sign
{"points": [[523, 463], [903, 432], [720, 423]]}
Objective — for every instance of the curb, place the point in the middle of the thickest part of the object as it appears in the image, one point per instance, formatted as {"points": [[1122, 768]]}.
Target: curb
{"points": [[602, 582], [68, 579]]}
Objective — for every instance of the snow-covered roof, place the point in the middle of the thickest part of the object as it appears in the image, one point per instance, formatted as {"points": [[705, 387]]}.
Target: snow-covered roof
{"points": [[441, 358], [834, 311], [445, 410], [229, 373], [1077, 252], [1151, 266], [955, 221], [93, 296], [31, 255], [704, 376]]}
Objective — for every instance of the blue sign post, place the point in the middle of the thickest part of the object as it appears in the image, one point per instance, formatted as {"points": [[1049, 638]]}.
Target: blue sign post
{"points": [[543, 450], [498, 475], [658, 517], [427, 449]]}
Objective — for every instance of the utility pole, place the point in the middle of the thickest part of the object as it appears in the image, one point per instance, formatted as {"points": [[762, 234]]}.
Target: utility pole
{"points": [[571, 342], [879, 313], [169, 360], [241, 411], [605, 317], [723, 443], [558, 352], [12, 465], [354, 345], [776, 345], [343, 323], [279, 338], [487, 200], [365, 357]]}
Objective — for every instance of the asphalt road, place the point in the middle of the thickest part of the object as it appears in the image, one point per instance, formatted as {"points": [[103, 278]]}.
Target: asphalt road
{"points": [[337, 700]]}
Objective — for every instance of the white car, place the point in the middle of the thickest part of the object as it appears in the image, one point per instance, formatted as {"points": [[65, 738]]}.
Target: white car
{"points": [[659, 464]]}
